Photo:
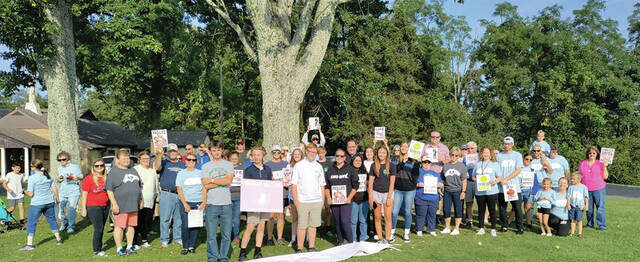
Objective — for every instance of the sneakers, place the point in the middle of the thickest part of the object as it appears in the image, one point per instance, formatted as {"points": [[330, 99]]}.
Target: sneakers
{"points": [[543, 234], [494, 233], [243, 256], [383, 241], [184, 251], [146, 245], [165, 244], [480, 232], [519, 232], [297, 251], [179, 242], [445, 231], [375, 237], [281, 242], [110, 229], [504, 229], [469, 224], [419, 233], [257, 255], [131, 251], [136, 247], [392, 240], [312, 249], [455, 232], [27, 248], [192, 250], [549, 234], [121, 252], [433, 233], [406, 239], [99, 254], [59, 242], [270, 242]]}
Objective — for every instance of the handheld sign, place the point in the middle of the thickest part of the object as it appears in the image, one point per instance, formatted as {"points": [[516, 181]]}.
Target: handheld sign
{"points": [[510, 193], [237, 177], [261, 196], [278, 175], [314, 122], [606, 155], [430, 185], [483, 183], [339, 194], [159, 138], [379, 133], [415, 149], [362, 183], [527, 178], [196, 218], [432, 154]]}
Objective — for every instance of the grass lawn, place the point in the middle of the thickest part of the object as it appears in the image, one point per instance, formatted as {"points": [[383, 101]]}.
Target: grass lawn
{"points": [[618, 243]]}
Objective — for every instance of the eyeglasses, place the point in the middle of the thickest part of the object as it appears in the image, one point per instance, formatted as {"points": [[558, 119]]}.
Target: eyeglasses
{"points": [[528, 159], [536, 151], [98, 165], [593, 153], [311, 151], [62, 159], [192, 159], [435, 136], [339, 155]]}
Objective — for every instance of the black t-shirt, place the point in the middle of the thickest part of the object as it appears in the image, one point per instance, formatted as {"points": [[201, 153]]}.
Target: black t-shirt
{"points": [[325, 165], [344, 176], [407, 175], [383, 179]]}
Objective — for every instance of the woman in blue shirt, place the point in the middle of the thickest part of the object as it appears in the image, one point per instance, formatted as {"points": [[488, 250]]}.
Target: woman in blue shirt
{"points": [[43, 194], [192, 196], [487, 176]]}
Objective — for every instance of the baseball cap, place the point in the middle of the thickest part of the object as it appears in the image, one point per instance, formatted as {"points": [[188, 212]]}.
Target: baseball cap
{"points": [[508, 140], [172, 146], [314, 136], [276, 148], [426, 159], [464, 147]]}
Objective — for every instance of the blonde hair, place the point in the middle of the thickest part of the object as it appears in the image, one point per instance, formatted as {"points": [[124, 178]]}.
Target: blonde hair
{"points": [[376, 161], [456, 149], [547, 179], [576, 174], [321, 150], [540, 132], [93, 171]]}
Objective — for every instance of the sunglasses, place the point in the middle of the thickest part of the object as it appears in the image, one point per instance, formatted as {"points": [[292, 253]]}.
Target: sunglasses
{"points": [[62, 159], [455, 155], [275, 152], [192, 159], [314, 139], [339, 155], [536, 151], [98, 165], [528, 159]]}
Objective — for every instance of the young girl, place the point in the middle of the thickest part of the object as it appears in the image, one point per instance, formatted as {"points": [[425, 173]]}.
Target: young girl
{"points": [[43, 194], [369, 155], [381, 184], [360, 205], [94, 203], [487, 176], [577, 199], [296, 156], [426, 204], [544, 198]]}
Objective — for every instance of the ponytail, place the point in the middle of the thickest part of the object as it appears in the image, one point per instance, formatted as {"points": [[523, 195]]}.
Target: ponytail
{"points": [[39, 165]]}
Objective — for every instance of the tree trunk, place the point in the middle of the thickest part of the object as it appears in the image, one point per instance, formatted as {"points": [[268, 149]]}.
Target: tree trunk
{"points": [[59, 76]]}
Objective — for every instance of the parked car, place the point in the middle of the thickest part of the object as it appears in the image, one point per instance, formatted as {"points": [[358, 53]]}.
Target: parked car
{"points": [[108, 160]]}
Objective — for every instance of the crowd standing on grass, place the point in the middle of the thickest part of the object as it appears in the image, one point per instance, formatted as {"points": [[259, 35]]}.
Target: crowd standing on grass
{"points": [[376, 186]]}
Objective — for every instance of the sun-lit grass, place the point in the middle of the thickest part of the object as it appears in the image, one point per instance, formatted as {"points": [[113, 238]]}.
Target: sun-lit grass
{"points": [[618, 243]]}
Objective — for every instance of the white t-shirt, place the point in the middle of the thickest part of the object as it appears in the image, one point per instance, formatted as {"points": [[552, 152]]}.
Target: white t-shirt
{"points": [[14, 182], [149, 179], [367, 165], [309, 178]]}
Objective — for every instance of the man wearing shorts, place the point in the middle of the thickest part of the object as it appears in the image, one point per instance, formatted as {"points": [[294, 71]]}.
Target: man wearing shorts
{"points": [[125, 193], [307, 189], [259, 171]]}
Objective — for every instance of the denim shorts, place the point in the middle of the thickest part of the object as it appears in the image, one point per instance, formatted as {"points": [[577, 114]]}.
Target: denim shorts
{"points": [[526, 196], [575, 214]]}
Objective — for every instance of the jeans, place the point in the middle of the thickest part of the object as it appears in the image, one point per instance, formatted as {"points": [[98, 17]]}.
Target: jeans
{"points": [[98, 216], [426, 211], [170, 207], [342, 217], [235, 216], [483, 202], [34, 214], [145, 222], [70, 217], [515, 205], [189, 234], [596, 198], [359, 213], [402, 199], [213, 215], [452, 198]]}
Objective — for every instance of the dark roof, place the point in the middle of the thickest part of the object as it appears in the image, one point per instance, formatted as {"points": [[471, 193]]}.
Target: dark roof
{"points": [[182, 138], [22, 118], [3, 112], [106, 134]]}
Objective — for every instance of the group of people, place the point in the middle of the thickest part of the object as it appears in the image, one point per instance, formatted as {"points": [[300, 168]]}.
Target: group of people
{"points": [[357, 190]]}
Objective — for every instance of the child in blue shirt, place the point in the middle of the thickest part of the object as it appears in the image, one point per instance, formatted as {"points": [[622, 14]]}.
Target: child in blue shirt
{"points": [[426, 204], [577, 199], [544, 198]]}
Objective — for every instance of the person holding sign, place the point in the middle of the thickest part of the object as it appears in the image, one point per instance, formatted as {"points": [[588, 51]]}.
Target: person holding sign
{"points": [[70, 178], [315, 139], [404, 190], [454, 175], [341, 184], [238, 171], [594, 174], [192, 196], [487, 176], [307, 188], [277, 166], [260, 172], [528, 181], [510, 167], [360, 203], [170, 207], [427, 199], [382, 179], [217, 175], [441, 149]]}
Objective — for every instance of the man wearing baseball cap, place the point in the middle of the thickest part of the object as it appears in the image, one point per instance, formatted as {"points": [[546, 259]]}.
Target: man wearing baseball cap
{"points": [[510, 165], [170, 205]]}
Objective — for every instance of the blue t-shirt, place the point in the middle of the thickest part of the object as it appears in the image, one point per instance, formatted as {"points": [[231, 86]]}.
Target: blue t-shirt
{"points": [[509, 163], [168, 174], [202, 160], [191, 183], [559, 164], [492, 171], [278, 166], [470, 160], [538, 168], [71, 187], [546, 148], [578, 194], [420, 190], [41, 186], [559, 208], [545, 203]]}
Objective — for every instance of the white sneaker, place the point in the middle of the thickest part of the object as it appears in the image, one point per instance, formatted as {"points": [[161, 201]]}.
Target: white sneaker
{"points": [[543, 234], [433, 233], [419, 233], [100, 254], [375, 237], [493, 233], [445, 231], [480, 232], [146, 245], [406, 238], [179, 243], [165, 244], [549, 234], [393, 231], [455, 232], [136, 247]]}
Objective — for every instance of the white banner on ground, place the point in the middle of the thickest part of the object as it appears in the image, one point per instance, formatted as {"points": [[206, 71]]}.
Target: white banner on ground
{"points": [[338, 253]]}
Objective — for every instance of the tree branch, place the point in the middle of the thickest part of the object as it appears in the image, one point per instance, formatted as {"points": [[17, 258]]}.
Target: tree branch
{"points": [[283, 10], [303, 25], [224, 13]]}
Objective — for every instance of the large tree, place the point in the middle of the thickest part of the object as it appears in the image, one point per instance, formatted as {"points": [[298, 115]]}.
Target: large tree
{"points": [[289, 42]]}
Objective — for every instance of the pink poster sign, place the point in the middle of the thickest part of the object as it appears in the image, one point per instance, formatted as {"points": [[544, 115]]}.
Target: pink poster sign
{"points": [[261, 195]]}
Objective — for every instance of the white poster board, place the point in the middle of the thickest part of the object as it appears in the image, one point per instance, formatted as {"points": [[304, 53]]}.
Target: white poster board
{"points": [[510, 193], [606, 155], [430, 184], [432, 154], [339, 194], [261, 196], [379, 133], [527, 178], [314, 122], [237, 177], [195, 218], [482, 182], [159, 138], [415, 149], [362, 183]]}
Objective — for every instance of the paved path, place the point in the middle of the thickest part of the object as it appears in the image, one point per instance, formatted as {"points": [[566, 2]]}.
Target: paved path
{"points": [[614, 190]]}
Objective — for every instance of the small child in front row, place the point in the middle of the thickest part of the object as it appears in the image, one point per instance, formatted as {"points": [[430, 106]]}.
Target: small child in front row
{"points": [[577, 199], [544, 198], [12, 183]]}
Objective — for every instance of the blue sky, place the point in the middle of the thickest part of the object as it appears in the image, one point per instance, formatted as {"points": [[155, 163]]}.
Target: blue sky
{"points": [[474, 10]]}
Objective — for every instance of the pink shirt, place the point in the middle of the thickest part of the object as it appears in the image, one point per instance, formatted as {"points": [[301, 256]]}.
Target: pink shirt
{"points": [[443, 153], [592, 175]]}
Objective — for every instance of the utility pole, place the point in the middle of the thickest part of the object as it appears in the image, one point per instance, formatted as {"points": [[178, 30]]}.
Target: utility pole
{"points": [[221, 109]]}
